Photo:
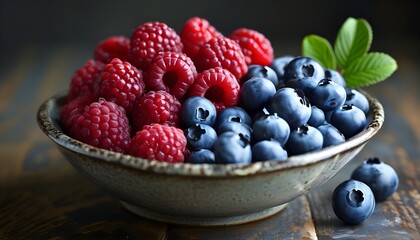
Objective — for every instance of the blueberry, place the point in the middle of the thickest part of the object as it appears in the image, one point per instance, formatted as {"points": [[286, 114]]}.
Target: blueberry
{"points": [[335, 77], [291, 105], [256, 93], [328, 95], [200, 136], [261, 71], [201, 156], [198, 110], [236, 127], [267, 151], [263, 112], [304, 139], [271, 127], [349, 120], [279, 64], [357, 99], [331, 135], [317, 117], [379, 176], [303, 73], [232, 114], [231, 147], [353, 202]]}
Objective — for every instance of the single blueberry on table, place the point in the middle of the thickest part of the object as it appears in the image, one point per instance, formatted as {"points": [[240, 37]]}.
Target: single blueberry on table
{"points": [[201, 156], [261, 71], [200, 136], [317, 117], [356, 98], [268, 151], [349, 120], [331, 135], [256, 93], [379, 176], [304, 139], [335, 77], [271, 127], [198, 110], [328, 95], [353, 202], [231, 147], [291, 105], [232, 114], [239, 128]]}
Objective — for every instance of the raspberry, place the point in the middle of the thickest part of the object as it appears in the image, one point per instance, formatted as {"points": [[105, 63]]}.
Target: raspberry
{"points": [[112, 47], [195, 33], [149, 39], [255, 46], [218, 85], [155, 107], [103, 124], [84, 78], [172, 72], [120, 82], [221, 52], [73, 109], [159, 142]]}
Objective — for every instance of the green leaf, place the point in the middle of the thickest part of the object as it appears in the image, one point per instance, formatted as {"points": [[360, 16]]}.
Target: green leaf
{"points": [[319, 49], [353, 41], [369, 69]]}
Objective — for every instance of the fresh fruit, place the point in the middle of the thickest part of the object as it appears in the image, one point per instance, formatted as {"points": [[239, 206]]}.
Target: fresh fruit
{"points": [[112, 47], [331, 135], [279, 64], [221, 52], [218, 85], [232, 114], [237, 127], [349, 120], [335, 77], [379, 176], [291, 105], [201, 156], [268, 151], [172, 72], [262, 72], [304, 139], [357, 99], [256, 93], [74, 108], [83, 80], [231, 147], [317, 117], [155, 107], [195, 33], [198, 110], [121, 83], [271, 127], [328, 95], [256, 47], [103, 124], [200, 136], [159, 142], [353, 202], [150, 39]]}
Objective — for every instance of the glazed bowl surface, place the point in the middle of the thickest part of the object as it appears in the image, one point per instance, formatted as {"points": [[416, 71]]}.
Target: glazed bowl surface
{"points": [[204, 194]]}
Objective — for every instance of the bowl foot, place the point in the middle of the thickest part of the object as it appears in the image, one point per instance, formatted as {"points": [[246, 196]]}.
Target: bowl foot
{"points": [[203, 221]]}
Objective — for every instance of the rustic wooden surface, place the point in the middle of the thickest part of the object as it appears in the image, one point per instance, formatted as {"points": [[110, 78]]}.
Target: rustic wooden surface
{"points": [[43, 197]]}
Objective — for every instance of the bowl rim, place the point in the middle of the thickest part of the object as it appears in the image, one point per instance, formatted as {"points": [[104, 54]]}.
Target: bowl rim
{"points": [[47, 122]]}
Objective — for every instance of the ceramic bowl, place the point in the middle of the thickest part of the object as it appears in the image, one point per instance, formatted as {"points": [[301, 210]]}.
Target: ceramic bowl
{"points": [[204, 194]]}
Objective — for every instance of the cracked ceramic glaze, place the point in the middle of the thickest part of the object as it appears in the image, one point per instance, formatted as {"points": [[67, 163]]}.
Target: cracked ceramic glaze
{"points": [[204, 194]]}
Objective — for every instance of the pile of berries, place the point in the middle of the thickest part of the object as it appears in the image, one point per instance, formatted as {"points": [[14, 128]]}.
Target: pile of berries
{"points": [[202, 97]]}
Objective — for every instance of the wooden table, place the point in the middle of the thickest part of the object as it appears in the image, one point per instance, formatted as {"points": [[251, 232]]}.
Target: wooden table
{"points": [[43, 197]]}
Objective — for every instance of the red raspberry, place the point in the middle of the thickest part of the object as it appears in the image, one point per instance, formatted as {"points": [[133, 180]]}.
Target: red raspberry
{"points": [[121, 83], [155, 107], [103, 124], [172, 72], [149, 39], [84, 78], [74, 108], [195, 33], [255, 46], [159, 142], [221, 52], [218, 85], [112, 47]]}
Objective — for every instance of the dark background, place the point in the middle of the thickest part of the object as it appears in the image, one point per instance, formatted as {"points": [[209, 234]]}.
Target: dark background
{"points": [[49, 23]]}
